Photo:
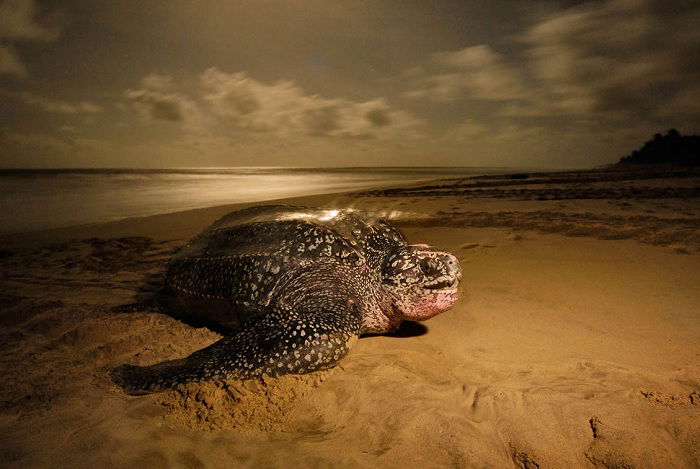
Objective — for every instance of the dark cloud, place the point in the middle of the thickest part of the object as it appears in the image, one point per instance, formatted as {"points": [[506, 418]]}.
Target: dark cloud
{"points": [[322, 120], [157, 100], [19, 23], [618, 56], [379, 117], [614, 58], [156, 104], [10, 64]]}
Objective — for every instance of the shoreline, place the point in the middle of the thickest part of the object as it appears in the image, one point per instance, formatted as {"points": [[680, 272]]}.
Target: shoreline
{"points": [[573, 344], [124, 225], [141, 225], [42, 200]]}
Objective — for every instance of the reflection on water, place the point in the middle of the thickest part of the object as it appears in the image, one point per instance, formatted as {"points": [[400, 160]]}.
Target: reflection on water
{"points": [[41, 199]]}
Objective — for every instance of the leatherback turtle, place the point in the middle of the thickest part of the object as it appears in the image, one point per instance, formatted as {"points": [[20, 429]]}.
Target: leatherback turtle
{"points": [[296, 287]]}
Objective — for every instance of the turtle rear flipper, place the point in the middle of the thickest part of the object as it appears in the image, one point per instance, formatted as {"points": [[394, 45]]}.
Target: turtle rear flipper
{"points": [[278, 343]]}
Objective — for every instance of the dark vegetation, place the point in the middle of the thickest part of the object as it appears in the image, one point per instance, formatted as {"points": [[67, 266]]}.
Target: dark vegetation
{"points": [[670, 149]]}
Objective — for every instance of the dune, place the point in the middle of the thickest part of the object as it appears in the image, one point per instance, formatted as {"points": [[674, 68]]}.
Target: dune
{"points": [[575, 342]]}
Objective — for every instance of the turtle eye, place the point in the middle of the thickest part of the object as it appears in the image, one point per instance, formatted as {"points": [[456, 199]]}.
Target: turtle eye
{"points": [[428, 266]]}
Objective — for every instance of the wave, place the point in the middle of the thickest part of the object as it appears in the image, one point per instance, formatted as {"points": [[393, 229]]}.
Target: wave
{"points": [[35, 199]]}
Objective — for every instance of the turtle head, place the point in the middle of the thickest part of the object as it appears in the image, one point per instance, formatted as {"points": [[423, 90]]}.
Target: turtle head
{"points": [[422, 280]]}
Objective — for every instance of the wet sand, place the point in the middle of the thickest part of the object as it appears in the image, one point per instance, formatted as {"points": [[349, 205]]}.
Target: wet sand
{"points": [[575, 343]]}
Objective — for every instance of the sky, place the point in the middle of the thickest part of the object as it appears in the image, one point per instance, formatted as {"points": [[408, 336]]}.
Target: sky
{"points": [[336, 83]]}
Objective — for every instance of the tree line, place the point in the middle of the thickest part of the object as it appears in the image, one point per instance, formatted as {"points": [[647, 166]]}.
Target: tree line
{"points": [[672, 149]]}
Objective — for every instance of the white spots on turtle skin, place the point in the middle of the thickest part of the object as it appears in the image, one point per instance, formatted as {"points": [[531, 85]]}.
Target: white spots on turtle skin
{"points": [[243, 354]]}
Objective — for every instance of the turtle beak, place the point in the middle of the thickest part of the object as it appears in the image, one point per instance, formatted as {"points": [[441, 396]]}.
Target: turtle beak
{"points": [[454, 268]]}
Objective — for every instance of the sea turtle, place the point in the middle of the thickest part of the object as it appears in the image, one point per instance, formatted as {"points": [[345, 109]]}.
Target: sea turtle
{"points": [[296, 287]]}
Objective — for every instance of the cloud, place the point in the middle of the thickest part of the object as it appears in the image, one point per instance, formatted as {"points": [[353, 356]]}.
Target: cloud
{"points": [[10, 63], [507, 143], [43, 144], [157, 105], [225, 102], [157, 81], [52, 105], [468, 130], [283, 107], [627, 56], [66, 148], [19, 22], [157, 100], [482, 73], [57, 105], [615, 59], [476, 72]]}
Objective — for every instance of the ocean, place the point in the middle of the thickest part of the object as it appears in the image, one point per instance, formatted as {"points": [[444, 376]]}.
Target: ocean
{"points": [[41, 199]]}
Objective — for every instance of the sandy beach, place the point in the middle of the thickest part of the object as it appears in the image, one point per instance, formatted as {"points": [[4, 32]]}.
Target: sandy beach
{"points": [[575, 342]]}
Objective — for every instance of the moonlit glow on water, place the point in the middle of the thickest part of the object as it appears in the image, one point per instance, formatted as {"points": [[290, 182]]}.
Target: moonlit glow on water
{"points": [[32, 200], [329, 215]]}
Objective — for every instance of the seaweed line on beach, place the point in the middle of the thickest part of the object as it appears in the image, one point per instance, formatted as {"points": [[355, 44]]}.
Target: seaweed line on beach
{"points": [[681, 233], [535, 179], [550, 193]]}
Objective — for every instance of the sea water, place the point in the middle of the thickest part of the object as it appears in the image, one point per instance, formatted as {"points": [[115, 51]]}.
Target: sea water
{"points": [[41, 199]]}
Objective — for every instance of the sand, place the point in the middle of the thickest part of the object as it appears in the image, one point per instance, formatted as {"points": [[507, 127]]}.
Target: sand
{"points": [[575, 342]]}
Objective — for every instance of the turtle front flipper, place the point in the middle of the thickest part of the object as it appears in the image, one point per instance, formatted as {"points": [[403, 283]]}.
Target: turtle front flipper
{"points": [[277, 343]]}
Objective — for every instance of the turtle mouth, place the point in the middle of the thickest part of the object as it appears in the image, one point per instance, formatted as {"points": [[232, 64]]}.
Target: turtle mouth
{"points": [[442, 284]]}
